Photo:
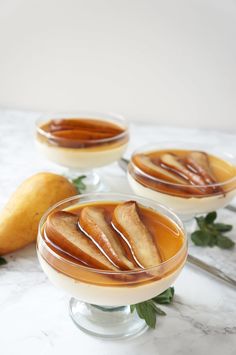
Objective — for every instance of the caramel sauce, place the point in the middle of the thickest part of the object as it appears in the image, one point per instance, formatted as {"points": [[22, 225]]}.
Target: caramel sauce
{"points": [[167, 235], [81, 133], [221, 171]]}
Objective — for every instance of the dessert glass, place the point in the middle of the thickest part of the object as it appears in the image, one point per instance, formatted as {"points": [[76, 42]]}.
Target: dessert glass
{"points": [[190, 205], [83, 160], [101, 298]]}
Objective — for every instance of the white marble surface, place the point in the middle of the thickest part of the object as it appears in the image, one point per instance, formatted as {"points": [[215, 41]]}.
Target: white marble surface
{"points": [[33, 314]]}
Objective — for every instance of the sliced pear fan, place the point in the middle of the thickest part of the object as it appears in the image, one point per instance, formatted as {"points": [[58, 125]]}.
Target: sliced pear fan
{"points": [[93, 223], [127, 222], [61, 228]]}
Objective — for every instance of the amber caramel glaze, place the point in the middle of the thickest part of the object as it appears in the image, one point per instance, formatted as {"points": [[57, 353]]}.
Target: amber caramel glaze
{"points": [[168, 237], [221, 170], [82, 133]]}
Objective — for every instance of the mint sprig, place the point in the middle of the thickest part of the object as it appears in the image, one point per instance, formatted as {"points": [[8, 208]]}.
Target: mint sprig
{"points": [[79, 184], [210, 233], [2, 261], [149, 310]]}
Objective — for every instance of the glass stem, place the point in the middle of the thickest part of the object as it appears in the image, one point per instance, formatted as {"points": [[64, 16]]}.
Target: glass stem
{"points": [[92, 180]]}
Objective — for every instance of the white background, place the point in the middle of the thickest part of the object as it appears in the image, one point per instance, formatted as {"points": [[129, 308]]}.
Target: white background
{"points": [[168, 61]]}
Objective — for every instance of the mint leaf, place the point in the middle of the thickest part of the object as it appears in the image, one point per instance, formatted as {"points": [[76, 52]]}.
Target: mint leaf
{"points": [[79, 184], [146, 312], [212, 239], [224, 242], [200, 222], [210, 217], [2, 261], [149, 311], [132, 308], [158, 310], [221, 227], [201, 238], [165, 297]]}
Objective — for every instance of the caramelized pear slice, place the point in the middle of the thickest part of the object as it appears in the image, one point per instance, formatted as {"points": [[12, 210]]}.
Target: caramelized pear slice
{"points": [[127, 222], [85, 124], [170, 161], [147, 165], [169, 176], [76, 138], [62, 230], [194, 178], [93, 224], [200, 163], [76, 134]]}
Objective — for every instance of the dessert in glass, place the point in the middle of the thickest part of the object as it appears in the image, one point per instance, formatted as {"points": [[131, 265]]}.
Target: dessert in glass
{"points": [[191, 179], [82, 142], [109, 251]]}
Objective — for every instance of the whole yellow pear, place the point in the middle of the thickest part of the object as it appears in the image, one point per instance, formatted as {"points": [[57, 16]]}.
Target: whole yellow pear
{"points": [[20, 217]]}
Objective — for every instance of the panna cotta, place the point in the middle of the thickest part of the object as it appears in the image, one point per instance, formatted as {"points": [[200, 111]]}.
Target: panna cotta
{"points": [[190, 182], [82, 142], [111, 251]]}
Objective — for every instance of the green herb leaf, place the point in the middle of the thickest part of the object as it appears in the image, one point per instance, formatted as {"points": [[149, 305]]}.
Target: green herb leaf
{"points": [[2, 261], [221, 227], [149, 311], [201, 238], [200, 222], [224, 242], [165, 297], [212, 240], [210, 233], [79, 184], [158, 310], [132, 308], [210, 217], [146, 312]]}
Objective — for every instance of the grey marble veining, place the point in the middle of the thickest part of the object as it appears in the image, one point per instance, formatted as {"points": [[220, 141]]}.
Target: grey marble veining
{"points": [[34, 315]]}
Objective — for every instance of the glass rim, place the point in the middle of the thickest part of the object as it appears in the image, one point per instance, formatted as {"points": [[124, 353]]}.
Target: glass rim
{"points": [[109, 116], [155, 179], [177, 221]]}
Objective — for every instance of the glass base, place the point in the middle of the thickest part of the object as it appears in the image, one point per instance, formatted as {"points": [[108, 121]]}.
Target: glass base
{"points": [[106, 322], [92, 180], [190, 226]]}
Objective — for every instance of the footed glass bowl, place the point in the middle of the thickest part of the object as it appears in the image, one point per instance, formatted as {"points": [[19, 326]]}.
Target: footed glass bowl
{"points": [[182, 198], [101, 299], [83, 153]]}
